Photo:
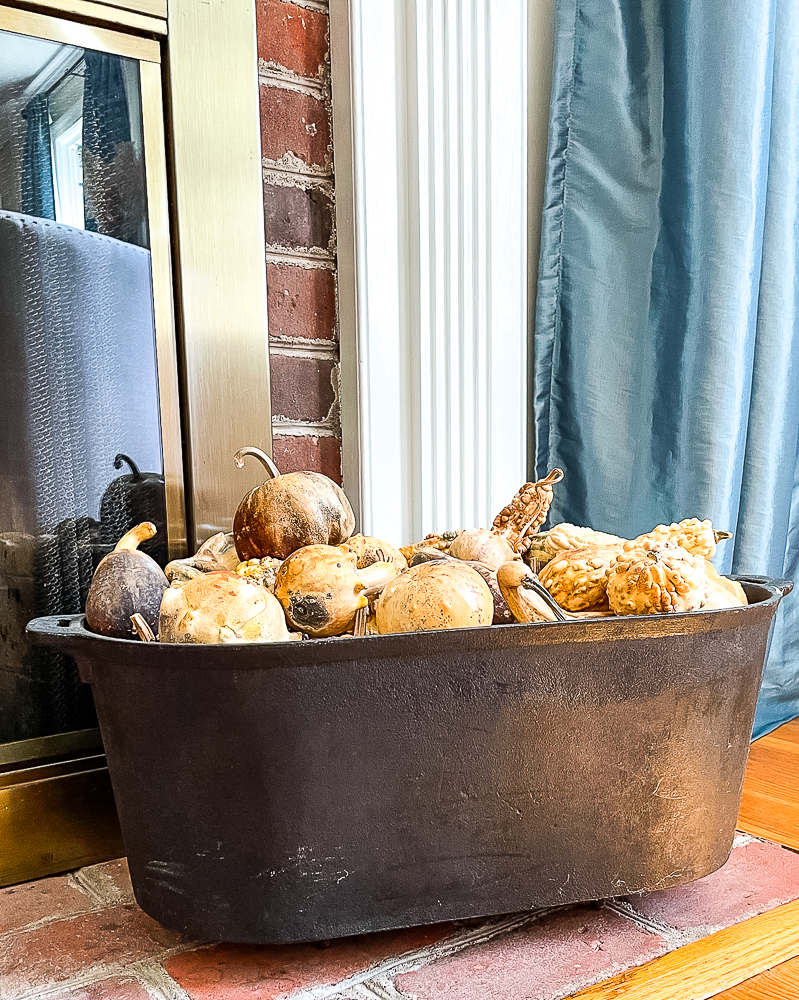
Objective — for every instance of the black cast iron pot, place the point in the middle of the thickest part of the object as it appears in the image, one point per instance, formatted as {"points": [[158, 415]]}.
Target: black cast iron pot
{"points": [[306, 790]]}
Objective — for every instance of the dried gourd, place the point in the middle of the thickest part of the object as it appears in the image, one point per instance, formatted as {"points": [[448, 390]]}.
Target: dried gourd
{"points": [[527, 511], [722, 592], [695, 536], [577, 578], [261, 571], [321, 588], [483, 546], [657, 579], [509, 535], [126, 582], [216, 552], [221, 607], [545, 545], [369, 550], [440, 542], [289, 511], [530, 601], [435, 595]]}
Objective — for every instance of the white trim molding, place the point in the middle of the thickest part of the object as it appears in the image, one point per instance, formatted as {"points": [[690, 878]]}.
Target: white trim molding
{"points": [[430, 114]]}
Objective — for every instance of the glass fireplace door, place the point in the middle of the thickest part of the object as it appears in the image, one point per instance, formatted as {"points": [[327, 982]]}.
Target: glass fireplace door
{"points": [[90, 434]]}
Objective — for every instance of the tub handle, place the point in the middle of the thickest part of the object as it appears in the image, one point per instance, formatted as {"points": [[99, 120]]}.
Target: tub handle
{"points": [[66, 633], [782, 584]]}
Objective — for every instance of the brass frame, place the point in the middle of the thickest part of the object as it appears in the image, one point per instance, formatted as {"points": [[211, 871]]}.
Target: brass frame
{"points": [[216, 160], [145, 16]]}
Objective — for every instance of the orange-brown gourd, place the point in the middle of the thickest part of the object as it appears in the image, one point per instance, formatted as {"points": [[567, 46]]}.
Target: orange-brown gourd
{"points": [[321, 588], [125, 583], [290, 511]]}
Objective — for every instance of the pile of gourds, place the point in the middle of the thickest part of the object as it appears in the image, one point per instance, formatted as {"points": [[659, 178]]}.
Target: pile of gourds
{"points": [[292, 568]]}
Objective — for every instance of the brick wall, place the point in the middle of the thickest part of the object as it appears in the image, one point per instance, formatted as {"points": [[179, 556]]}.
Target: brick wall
{"points": [[296, 145]]}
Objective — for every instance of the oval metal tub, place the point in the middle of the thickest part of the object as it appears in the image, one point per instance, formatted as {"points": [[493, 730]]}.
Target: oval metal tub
{"points": [[309, 790]]}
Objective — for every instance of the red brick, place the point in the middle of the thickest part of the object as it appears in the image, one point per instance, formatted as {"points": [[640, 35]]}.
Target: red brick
{"points": [[114, 988], [757, 878], [272, 972], [302, 302], [293, 37], [298, 218], [564, 952], [295, 453], [295, 123], [301, 387], [111, 880], [59, 951], [46, 898]]}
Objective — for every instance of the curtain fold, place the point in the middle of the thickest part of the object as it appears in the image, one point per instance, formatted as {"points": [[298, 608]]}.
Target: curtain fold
{"points": [[667, 340], [113, 177], [38, 194]]}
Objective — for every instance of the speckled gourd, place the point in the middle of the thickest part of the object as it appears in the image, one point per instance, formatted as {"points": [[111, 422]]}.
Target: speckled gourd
{"points": [[289, 511], [656, 579]]}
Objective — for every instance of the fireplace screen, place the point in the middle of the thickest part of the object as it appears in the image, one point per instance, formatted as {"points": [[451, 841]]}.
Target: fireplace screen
{"points": [[80, 442]]}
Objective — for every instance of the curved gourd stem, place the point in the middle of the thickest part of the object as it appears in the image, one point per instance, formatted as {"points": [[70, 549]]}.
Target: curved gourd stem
{"points": [[262, 457], [120, 458], [132, 539]]}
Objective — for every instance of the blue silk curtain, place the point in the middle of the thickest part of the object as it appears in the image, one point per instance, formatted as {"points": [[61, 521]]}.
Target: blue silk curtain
{"points": [[113, 179], [667, 334], [38, 195]]}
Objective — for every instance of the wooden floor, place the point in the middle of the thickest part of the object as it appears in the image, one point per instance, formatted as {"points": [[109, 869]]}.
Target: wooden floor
{"points": [[759, 958]]}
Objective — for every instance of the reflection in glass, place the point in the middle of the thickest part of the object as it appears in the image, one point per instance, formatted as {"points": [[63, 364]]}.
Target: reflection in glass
{"points": [[80, 448]]}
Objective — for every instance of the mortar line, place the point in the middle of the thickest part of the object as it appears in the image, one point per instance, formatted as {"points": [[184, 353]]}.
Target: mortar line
{"points": [[286, 80], [157, 981], [283, 255], [411, 961], [98, 973], [302, 351]]}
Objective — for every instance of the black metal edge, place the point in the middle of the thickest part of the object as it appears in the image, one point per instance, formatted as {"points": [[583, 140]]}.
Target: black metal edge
{"points": [[68, 633]]}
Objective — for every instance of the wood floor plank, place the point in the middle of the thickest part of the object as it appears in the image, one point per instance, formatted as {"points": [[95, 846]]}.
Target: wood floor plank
{"points": [[702, 969], [780, 983], [770, 800]]}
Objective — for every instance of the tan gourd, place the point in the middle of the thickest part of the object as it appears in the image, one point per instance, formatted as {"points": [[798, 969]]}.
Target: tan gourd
{"points": [[218, 607], [484, 546], [288, 512], [547, 544], [216, 552], [658, 579], [434, 595], [509, 535], [321, 588], [527, 598], [722, 592], [695, 536], [369, 550], [261, 571], [577, 578]]}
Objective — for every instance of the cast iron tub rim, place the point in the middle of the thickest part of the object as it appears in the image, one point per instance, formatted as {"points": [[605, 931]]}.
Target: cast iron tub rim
{"points": [[70, 634]]}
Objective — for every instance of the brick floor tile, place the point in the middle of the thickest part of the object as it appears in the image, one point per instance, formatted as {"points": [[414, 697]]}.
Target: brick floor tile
{"points": [[757, 877], [114, 988], [560, 954], [45, 898], [57, 952], [110, 881], [273, 972]]}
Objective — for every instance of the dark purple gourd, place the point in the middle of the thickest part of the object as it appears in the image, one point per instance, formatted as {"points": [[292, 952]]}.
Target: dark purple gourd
{"points": [[125, 583]]}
